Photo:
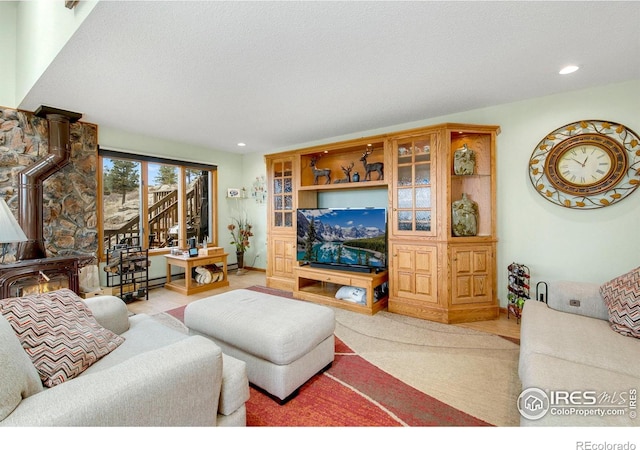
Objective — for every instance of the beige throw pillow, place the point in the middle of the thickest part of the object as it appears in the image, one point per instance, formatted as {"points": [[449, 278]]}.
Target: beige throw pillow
{"points": [[59, 333], [622, 296]]}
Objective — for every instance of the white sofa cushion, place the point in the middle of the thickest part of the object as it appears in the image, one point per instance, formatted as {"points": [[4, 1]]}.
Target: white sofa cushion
{"points": [[554, 374], [18, 376], [174, 385], [235, 385], [111, 314], [145, 334], [576, 338], [577, 298]]}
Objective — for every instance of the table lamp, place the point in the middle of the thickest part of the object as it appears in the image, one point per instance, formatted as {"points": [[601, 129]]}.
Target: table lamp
{"points": [[10, 230]]}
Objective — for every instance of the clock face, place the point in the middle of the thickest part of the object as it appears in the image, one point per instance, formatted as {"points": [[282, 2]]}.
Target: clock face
{"points": [[588, 164], [584, 165]]}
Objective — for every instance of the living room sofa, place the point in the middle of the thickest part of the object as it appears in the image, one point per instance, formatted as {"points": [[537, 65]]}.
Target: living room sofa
{"points": [[157, 377], [567, 345]]}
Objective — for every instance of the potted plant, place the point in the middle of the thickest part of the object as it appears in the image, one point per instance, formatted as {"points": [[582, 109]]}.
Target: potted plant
{"points": [[240, 230]]}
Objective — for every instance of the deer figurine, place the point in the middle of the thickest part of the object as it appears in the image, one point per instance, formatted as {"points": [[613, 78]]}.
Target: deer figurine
{"points": [[347, 172], [373, 167], [319, 172]]}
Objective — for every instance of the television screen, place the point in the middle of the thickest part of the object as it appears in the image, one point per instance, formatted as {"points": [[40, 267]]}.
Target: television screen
{"points": [[349, 237]]}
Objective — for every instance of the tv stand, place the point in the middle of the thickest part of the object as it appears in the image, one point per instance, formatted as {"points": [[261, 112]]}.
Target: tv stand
{"points": [[320, 285]]}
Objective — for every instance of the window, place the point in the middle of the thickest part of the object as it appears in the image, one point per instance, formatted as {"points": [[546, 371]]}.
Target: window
{"points": [[154, 202]]}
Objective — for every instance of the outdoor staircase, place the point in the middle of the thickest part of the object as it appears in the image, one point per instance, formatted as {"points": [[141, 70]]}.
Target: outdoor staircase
{"points": [[163, 215]]}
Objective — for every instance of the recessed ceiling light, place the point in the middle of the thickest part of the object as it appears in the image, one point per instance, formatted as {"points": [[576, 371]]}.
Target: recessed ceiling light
{"points": [[241, 144], [568, 69]]}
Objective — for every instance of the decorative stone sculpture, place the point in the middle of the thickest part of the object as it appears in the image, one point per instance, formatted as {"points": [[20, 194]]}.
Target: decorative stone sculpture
{"points": [[464, 217], [373, 167], [317, 173], [347, 174], [464, 161]]}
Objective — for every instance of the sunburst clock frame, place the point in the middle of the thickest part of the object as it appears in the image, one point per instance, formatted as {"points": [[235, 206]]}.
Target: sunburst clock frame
{"points": [[587, 164]]}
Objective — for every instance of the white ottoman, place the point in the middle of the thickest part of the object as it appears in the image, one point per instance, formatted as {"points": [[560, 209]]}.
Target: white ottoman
{"points": [[283, 342]]}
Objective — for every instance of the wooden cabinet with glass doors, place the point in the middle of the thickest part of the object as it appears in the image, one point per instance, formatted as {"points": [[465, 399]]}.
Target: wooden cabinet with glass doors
{"points": [[413, 250], [413, 205], [281, 236], [433, 273]]}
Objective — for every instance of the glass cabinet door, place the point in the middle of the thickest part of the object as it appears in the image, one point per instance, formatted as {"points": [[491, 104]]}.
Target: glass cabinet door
{"points": [[282, 193], [413, 203]]}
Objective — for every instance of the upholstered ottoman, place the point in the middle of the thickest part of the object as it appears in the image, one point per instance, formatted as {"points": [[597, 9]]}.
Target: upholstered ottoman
{"points": [[283, 342]]}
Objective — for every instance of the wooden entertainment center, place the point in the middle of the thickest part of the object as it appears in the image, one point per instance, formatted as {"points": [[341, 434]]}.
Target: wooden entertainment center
{"points": [[435, 271]]}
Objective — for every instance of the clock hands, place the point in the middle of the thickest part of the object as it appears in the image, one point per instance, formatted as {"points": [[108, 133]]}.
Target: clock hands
{"points": [[581, 163]]}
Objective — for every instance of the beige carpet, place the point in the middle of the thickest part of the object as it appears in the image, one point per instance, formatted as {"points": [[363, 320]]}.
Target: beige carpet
{"points": [[467, 369]]}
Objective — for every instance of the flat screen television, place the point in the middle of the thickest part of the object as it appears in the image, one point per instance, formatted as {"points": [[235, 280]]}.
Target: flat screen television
{"points": [[343, 238]]}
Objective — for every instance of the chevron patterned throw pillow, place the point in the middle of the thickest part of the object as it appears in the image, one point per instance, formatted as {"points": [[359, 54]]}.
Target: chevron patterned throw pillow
{"points": [[59, 333], [622, 297]]}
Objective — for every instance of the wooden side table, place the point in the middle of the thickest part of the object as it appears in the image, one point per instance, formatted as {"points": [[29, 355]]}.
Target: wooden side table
{"points": [[189, 286]]}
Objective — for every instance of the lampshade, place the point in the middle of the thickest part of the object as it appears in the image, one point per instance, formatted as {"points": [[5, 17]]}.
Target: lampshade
{"points": [[10, 230]]}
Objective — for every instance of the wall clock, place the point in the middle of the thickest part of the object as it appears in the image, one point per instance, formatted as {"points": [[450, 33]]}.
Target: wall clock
{"points": [[259, 189], [587, 164]]}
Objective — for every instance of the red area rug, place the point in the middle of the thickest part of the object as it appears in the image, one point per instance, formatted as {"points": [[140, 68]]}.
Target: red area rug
{"points": [[351, 393], [355, 393]]}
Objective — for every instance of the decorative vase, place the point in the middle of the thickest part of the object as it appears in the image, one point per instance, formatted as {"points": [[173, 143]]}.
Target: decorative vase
{"points": [[356, 177], [464, 161], [464, 217], [240, 258]]}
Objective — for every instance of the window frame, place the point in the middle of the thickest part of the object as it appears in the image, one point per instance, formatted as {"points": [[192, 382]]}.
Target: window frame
{"points": [[144, 161]]}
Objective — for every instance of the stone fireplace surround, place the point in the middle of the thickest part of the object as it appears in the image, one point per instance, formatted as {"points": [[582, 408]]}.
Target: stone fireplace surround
{"points": [[69, 211], [68, 199]]}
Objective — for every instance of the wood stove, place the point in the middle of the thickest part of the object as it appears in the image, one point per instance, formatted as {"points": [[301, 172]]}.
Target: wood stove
{"points": [[39, 275]]}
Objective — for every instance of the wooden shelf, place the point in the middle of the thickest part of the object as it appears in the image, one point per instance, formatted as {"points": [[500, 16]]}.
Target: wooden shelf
{"points": [[353, 185], [335, 161], [321, 285]]}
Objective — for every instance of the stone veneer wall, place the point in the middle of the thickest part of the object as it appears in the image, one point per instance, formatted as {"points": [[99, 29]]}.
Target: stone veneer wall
{"points": [[70, 195]]}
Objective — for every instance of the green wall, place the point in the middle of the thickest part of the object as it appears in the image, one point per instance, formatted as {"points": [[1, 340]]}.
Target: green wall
{"points": [[8, 14], [43, 28], [32, 33]]}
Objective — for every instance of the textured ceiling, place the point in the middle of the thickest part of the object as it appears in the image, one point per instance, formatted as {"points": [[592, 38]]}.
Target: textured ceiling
{"points": [[280, 74]]}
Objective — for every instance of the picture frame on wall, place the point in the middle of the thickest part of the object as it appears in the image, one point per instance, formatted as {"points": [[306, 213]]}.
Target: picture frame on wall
{"points": [[233, 193]]}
